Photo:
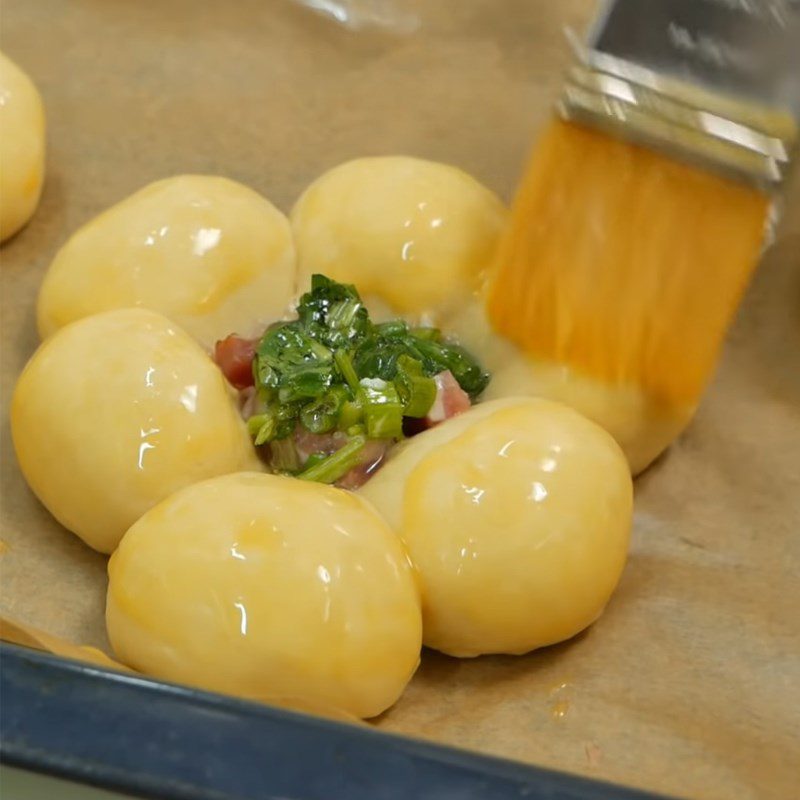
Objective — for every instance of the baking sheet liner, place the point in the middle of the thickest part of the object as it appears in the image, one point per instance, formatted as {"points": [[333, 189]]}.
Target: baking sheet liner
{"points": [[690, 682]]}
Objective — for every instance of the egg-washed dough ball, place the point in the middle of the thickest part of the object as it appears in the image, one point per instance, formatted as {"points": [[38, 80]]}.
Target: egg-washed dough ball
{"points": [[517, 516], [263, 585], [22, 147], [413, 234], [115, 412], [643, 427], [207, 252]]}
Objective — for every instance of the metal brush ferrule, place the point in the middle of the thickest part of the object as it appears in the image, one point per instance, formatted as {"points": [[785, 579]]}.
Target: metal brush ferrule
{"points": [[716, 82]]}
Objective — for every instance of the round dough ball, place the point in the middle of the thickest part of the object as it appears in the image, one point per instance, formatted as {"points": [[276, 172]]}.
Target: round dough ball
{"points": [[22, 147], [643, 427], [262, 585], [414, 234], [207, 252], [517, 515], [117, 411]]}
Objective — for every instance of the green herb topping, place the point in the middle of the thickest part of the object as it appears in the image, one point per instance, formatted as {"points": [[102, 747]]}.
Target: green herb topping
{"points": [[333, 369]]}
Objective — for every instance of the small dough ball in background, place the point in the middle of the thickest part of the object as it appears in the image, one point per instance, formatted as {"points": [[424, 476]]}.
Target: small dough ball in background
{"points": [[642, 427], [262, 586], [117, 411], [517, 516], [22, 147], [207, 252], [414, 234]]}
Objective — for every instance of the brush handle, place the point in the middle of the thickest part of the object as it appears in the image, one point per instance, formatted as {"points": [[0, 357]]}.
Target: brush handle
{"points": [[717, 81]]}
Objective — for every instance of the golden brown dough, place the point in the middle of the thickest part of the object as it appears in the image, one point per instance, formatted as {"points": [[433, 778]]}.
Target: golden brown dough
{"points": [[517, 516], [22, 147], [115, 412], [207, 252], [413, 234], [260, 585]]}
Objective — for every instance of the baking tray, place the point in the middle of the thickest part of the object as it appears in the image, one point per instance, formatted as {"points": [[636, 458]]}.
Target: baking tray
{"points": [[159, 740]]}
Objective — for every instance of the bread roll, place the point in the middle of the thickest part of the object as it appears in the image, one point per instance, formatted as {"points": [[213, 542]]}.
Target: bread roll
{"points": [[22, 147], [209, 253], [117, 411], [414, 235], [262, 586], [517, 515]]}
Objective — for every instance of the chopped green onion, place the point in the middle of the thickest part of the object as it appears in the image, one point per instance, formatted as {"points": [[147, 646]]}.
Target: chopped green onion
{"points": [[337, 465], [286, 416], [383, 409], [392, 329], [466, 370], [433, 334], [332, 368], [255, 422], [345, 364], [332, 312], [341, 318], [314, 459], [289, 359], [261, 427], [351, 413], [284, 456], [416, 389], [321, 416]]}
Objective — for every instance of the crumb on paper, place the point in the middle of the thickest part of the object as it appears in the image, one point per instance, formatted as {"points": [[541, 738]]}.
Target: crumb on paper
{"points": [[594, 753]]}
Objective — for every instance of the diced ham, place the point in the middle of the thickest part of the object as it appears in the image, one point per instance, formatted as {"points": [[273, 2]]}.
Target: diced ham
{"points": [[308, 443], [372, 455], [371, 459], [450, 401], [414, 425], [248, 402], [234, 356]]}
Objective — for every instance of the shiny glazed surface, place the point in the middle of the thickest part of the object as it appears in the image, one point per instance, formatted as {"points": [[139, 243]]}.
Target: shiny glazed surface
{"points": [[414, 233], [262, 585], [207, 252], [642, 427], [22, 147], [115, 412], [517, 516]]}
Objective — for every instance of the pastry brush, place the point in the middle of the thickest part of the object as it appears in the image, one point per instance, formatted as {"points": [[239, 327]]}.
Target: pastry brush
{"points": [[642, 213]]}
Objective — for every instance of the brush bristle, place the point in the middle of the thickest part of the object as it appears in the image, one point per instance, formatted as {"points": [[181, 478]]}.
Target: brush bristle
{"points": [[624, 263]]}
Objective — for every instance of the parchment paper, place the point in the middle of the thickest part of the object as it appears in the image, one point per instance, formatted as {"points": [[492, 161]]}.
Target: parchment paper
{"points": [[690, 682]]}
